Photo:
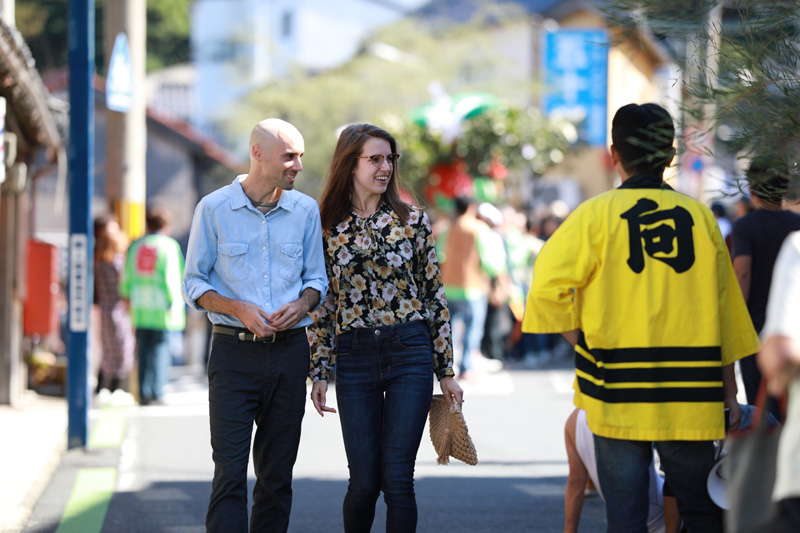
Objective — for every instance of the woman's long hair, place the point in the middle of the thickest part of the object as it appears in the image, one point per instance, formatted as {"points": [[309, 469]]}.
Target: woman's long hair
{"points": [[336, 199], [110, 245]]}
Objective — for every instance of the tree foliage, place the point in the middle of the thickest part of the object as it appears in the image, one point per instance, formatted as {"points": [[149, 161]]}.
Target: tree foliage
{"points": [[392, 75], [44, 26], [740, 72]]}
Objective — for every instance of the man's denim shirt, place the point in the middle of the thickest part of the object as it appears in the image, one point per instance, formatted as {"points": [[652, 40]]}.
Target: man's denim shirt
{"points": [[267, 260]]}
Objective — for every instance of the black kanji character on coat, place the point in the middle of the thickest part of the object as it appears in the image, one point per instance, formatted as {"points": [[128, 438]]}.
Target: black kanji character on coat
{"points": [[670, 243]]}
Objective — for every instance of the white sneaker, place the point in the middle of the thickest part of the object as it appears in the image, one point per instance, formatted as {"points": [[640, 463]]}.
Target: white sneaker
{"points": [[103, 397], [119, 398]]}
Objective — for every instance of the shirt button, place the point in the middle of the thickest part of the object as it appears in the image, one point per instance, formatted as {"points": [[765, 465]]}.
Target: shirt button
{"points": [[263, 247], [266, 276], [263, 221], [377, 333]]}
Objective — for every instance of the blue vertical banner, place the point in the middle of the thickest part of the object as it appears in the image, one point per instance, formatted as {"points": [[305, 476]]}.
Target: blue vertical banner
{"points": [[81, 187], [576, 75]]}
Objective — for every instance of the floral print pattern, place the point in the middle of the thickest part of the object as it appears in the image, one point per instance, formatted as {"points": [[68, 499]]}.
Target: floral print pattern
{"points": [[381, 272]]}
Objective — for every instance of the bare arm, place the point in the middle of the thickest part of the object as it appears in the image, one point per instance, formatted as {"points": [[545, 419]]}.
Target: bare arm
{"points": [[253, 317], [779, 361], [287, 315], [571, 336], [742, 265], [729, 391], [576, 481]]}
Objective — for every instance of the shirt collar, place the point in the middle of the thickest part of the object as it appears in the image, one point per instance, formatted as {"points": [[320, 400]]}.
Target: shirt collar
{"points": [[645, 181], [239, 198]]}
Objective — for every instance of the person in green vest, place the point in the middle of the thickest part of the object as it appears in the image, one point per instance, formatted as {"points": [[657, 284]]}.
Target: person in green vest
{"points": [[151, 283]]}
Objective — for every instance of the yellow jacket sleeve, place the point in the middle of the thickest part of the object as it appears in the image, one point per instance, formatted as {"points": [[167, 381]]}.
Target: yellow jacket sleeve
{"points": [[565, 264]]}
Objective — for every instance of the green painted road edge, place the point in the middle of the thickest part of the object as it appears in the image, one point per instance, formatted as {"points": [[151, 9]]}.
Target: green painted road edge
{"points": [[94, 487], [88, 504]]}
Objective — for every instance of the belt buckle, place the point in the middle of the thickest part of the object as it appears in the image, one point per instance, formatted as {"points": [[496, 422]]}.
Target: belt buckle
{"points": [[256, 338]]}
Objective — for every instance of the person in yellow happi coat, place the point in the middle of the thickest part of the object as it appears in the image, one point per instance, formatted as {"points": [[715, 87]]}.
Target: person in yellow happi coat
{"points": [[640, 281]]}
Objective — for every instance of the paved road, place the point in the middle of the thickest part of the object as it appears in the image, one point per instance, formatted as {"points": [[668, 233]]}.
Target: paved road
{"points": [[159, 467]]}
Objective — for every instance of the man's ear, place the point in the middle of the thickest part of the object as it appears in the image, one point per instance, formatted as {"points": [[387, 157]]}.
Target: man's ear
{"points": [[256, 152], [614, 155], [671, 157]]}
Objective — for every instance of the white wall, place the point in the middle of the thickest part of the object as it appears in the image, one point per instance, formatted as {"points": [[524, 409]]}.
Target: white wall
{"points": [[239, 45]]}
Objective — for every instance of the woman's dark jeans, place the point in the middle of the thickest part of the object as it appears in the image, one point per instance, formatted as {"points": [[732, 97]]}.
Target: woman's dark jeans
{"points": [[384, 383]]}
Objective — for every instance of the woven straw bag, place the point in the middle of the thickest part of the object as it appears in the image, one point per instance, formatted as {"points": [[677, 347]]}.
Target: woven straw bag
{"points": [[449, 433]]}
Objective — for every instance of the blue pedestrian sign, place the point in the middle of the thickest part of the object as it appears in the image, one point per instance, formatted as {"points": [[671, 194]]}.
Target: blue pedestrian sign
{"points": [[576, 75], [119, 84]]}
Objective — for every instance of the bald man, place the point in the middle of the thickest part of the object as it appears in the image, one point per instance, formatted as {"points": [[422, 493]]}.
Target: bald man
{"points": [[255, 265]]}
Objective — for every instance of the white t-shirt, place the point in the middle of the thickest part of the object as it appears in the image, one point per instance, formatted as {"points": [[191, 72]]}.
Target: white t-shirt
{"points": [[783, 318], [584, 443]]}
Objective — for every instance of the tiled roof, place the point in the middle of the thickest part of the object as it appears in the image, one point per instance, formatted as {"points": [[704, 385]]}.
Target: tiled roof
{"points": [[58, 80]]}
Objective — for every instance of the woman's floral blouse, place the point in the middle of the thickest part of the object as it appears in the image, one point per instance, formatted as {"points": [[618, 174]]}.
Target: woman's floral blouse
{"points": [[381, 272]]}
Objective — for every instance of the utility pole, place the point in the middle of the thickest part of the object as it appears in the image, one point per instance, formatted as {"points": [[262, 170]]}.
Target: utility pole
{"points": [[127, 135], [81, 187], [127, 129]]}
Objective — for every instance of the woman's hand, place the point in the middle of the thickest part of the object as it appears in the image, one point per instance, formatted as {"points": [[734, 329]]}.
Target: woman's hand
{"points": [[451, 391], [318, 391]]}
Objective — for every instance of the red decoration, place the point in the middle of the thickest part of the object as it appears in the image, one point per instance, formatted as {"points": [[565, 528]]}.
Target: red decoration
{"points": [[497, 170], [451, 180]]}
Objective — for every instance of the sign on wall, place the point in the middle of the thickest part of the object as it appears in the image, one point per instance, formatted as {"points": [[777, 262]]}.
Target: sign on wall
{"points": [[119, 84], [576, 76], [79, 305]]}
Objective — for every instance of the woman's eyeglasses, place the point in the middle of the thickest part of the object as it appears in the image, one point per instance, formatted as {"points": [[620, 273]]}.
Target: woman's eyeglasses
{"points": [[377, 160]]}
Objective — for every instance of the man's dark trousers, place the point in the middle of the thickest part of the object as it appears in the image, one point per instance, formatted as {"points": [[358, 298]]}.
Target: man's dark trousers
{"points": [[263, 383]]}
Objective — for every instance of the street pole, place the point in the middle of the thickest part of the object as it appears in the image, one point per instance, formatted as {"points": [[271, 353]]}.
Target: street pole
{"points": [[81, 186], [127, 130]]}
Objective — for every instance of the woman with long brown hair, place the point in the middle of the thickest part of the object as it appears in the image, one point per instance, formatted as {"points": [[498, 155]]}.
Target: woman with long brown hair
{"points": [[384, 326], [116, 332]]}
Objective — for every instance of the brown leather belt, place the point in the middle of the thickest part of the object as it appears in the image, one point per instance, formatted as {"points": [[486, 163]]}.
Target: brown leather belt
{"points": [[248, 336]]}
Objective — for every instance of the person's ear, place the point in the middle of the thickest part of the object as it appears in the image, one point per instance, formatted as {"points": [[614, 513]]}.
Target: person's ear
{"points": [[672, 156], [256, 152], [614, 155]]}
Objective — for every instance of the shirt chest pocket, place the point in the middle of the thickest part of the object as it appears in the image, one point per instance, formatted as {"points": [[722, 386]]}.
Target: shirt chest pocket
{"points": [[232, 261], [291, 261]]}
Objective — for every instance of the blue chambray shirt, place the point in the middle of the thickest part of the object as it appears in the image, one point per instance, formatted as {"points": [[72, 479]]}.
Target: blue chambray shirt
{"points": [[267, 260]]}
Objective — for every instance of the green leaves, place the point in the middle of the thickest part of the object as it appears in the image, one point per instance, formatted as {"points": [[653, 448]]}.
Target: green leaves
{"points": [[43, 24], [394, 74], [739, 71]]}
